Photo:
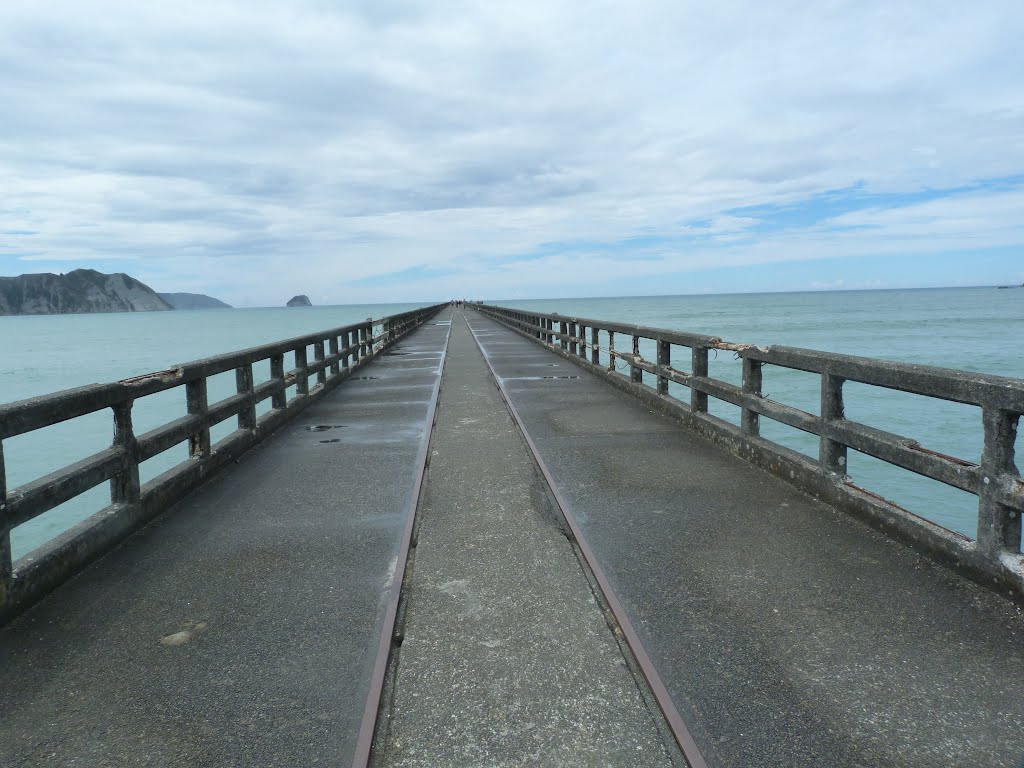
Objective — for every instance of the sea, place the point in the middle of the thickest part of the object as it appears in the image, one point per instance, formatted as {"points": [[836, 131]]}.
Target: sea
{"points": [[974, 329]]}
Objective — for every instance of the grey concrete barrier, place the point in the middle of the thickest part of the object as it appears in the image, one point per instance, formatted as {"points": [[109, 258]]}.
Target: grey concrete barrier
{"points": [[337, 352], [994, 556]]}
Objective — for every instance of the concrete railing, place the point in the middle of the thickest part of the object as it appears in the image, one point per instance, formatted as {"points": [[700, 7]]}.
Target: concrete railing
{"points": [[996, 552], [336, 353]]}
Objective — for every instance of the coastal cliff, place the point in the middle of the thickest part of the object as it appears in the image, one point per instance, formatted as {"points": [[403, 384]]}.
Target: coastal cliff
{"points": [[302, 300], [82, 290]]}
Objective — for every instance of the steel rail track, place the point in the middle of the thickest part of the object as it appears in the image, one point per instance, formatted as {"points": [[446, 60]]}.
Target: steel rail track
{"points": [[371, 712], [680, 732]]}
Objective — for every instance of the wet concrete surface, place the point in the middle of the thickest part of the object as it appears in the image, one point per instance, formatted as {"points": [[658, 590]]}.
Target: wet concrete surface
{"points": [[239, 628], [788, 633], [507, 658]]}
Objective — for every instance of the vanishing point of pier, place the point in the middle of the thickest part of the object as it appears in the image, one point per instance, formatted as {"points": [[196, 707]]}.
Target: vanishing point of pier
{"points": [[477, 536]]}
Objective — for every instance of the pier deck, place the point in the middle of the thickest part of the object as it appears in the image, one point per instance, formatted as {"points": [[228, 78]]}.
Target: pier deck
{"points": [[784, 632], [277, 568]]}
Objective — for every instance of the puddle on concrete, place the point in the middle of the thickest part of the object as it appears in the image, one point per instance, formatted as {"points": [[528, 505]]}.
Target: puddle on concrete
{"points": [[536, 378], [324, 427]]}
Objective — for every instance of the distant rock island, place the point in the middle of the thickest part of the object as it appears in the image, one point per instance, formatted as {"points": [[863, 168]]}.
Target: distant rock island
{"points": [[192, 301], [82, 290], [302, 300], [86, 290]]}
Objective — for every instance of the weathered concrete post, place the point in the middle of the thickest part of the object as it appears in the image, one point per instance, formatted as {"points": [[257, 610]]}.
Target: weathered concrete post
{"points": [[198, 405], [124, 487], [750, 421], [583, 341], [346, 348], [595, 349], [563, 327], [664, 360], [362, 342], [999, 526], [243, 385], [831, 455], [318, 356], [572, 339], [636, 373], [279, 399], [333, 350], [301, 368], [699, 366], [6, 568]]}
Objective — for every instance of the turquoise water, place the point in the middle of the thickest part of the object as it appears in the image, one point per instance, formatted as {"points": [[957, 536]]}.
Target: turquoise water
{"points": [[978, 329]]}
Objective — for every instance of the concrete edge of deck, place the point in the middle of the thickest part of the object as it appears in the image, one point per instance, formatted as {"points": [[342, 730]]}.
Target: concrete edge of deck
{"points": [[392, 627]]}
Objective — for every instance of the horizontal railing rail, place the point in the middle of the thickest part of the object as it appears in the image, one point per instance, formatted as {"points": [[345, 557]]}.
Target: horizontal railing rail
{"points": [[996, 481], [336, 354]]}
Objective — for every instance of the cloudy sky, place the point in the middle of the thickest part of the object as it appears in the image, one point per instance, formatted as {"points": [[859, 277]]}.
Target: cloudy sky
{"points": [[376, 150]]}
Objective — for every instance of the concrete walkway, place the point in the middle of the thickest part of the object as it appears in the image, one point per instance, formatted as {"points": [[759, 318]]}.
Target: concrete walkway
{"points": [[788, 633], [507, 658], [240, 628]]}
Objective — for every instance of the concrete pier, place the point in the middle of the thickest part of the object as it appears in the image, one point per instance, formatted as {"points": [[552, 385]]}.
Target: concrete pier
{"points": [[242, 627], [788, 633], [507, 657]]}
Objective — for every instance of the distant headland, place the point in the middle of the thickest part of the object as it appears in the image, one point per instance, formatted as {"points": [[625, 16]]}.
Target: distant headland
{"points": [[86, 290], [302, 300], [192, 301]]}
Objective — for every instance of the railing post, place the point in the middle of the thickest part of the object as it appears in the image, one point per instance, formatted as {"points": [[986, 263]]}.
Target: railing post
{"points": [[333, 349], [346, 348], [301, 375], [6, 564], [999, 526], [124, 486], [831, 455], [361, 350], [664, 361], [563, 327], [636, 373], [198, 405], [750, 421], [572, 338], [611, 350], [551, 327], [699, 368], [318, 356], [279, 399], [595, 349], [243, 385]]}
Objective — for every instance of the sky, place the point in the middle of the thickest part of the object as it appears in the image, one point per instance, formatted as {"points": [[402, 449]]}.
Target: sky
{"points": [[376, 150]]}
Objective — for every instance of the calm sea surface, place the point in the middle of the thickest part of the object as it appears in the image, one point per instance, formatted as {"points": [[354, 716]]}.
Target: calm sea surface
{"points": [[977, 329]]}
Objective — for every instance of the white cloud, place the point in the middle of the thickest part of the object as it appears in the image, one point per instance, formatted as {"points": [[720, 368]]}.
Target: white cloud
{"points": [[255, 149]]}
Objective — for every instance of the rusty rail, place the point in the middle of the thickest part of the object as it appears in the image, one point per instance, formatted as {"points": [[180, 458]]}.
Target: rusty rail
{"points": [[336, 353], [996, 481]]}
